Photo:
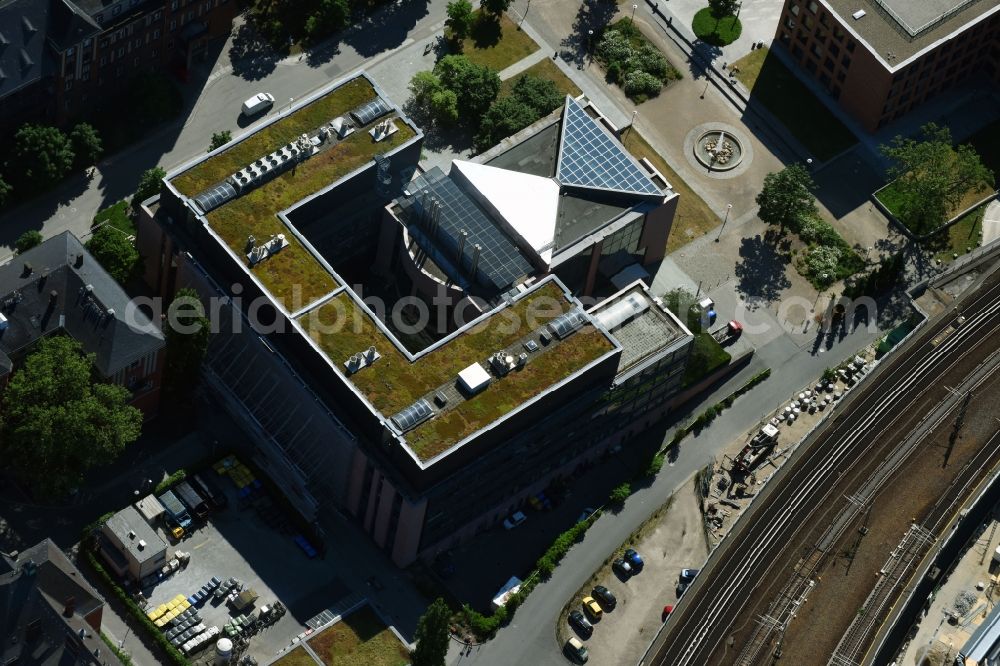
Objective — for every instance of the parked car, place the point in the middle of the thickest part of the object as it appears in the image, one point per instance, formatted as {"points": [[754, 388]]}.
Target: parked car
{"points": [[634, 559], [579, 621], [585, 514], [667, 610], [682, 588], [593, 608], [604, 596], [687, 575], [258, 103], [514, 520], [576, 651], [622, 568]]}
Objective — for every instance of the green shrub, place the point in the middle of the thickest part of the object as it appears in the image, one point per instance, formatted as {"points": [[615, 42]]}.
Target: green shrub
{"points": [[639, 84], [170, 481], [656, 464], [620, 494], [632, 62]]}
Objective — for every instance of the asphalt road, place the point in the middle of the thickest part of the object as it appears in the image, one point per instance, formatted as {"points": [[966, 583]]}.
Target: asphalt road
{"points": [[718, 603]]}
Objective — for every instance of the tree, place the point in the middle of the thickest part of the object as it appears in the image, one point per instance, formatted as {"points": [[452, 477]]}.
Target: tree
{"points": [[460, 17], [722, 8], [620, 493], [149, 184], [930, 178], [495, 8], [507, 116], [541, 95], [87, 144], [330, 16], [476, 86], [57, 423], [432, 635], [43, 155], [219, 139], [29, 239], [187, 332], [423, 85], [786, 197], [444, 107], [434, 99], [5, 190], [115, 252]]}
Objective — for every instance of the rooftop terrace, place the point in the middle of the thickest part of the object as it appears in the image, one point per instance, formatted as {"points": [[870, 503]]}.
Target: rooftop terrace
{"points": [[294, 276], [340, 328]]}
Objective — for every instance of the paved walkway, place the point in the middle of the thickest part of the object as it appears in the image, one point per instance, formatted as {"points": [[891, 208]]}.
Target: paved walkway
{"points": [[991, 223]]}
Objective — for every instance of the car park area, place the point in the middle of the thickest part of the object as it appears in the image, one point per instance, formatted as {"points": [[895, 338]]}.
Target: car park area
{"points": [[245, 573], [672, 543]]}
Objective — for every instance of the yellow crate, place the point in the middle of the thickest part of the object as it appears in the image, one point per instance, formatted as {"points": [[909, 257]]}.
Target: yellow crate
{"points": [[184, 605]]}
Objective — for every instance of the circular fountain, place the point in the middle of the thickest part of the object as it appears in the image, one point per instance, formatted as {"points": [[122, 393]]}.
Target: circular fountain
{"points": [[718, 150]]}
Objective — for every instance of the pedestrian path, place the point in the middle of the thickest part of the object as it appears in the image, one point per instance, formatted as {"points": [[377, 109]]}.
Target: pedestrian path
{"points": [[991, 223], [523, 64]]}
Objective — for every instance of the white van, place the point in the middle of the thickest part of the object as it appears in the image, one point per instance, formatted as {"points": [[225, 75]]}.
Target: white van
{"points": [[257, 103]]}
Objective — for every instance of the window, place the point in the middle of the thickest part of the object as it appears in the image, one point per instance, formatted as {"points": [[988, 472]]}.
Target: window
{"points": [[850, 45], [811, 66], [152, 53], [838, 33], [795, 9], [846, 61], [833, 49], [99, 18], [173, 25], [116, 11], [104, 61], [828, 64], [797, 51], [70, 51], [824, 19], [69, 84], [156, 34], [790, 23], [813, 7], [817, 50], [121, 52], [808, 23], [173, 5], [841, 77]]}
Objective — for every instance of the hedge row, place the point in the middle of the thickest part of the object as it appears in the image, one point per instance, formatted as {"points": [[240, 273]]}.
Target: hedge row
{"points": [[123, 656], [137, 613], [706, 417], [168, 482]]}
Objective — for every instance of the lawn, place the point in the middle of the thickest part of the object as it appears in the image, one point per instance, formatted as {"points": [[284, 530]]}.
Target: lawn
{"points": [[892, 199], [336, 103], [360, 639], [959, 238], [707, 356], [495, 45], [297, 657], [793, 104], [694, 218], [294, 276], [116, 216], [716, 31], [543, 69]]}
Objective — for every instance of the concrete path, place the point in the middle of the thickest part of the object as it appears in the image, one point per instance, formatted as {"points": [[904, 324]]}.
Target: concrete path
{"points": [[991, 223], [525, 63]]}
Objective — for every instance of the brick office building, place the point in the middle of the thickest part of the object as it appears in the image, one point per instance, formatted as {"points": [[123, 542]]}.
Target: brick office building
{"points": [[59, 58], [881, 58]]}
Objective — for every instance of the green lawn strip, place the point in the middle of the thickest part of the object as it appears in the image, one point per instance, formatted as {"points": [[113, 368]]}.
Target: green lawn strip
{"points": [[718, 31], [297, 657], [117, 216], [438, 434], [801, 112], [305, 120], [961, 237], [543, 69], [694, 218], [707, 356], [360, 639], [495, 45], [293, 275], [341, 329], [893, 199], [748, 67]]}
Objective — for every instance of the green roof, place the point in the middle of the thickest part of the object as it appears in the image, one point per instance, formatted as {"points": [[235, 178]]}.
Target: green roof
{"points": [[294, 276], [341, 329]]}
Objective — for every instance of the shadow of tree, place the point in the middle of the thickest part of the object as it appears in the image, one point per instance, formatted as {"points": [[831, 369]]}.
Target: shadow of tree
{"points": [[761, 269], [251, 56], [386, 28], [486, 32], [591, 19]]}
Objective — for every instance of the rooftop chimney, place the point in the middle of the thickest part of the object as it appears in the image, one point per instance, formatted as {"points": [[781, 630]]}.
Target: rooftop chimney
{"points": [[476, 249], [78, 260], [462, 234], [69, 607]]}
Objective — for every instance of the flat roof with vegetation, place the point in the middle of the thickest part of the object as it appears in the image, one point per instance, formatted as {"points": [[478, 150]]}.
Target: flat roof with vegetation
{"points": [[340, 328], [294, 276]]}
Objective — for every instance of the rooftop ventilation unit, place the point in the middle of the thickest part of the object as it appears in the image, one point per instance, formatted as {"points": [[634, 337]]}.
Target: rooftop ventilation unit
{"points": [[361, 360], [859, 14], [473, 379], [131, 534], [142, 544], [567, 324]]}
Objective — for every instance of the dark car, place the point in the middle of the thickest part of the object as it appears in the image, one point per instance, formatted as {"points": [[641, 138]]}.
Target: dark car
{"points": [[682, 588], [634, 559], [578, 621], [604, 596], [687, 575], [622, 568]]}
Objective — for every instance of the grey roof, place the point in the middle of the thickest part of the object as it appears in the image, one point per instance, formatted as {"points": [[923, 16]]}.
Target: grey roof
{"points": [[985, 641], [34, 590], [54, 296], [129, 520], [70, 25]]}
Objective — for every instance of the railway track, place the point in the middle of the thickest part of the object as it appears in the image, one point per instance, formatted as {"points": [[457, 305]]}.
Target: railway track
{"points": [[844, 451]]}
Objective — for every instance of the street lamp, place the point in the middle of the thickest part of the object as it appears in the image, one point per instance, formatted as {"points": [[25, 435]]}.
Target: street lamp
{"points": [[632, 18], [635, 114], [290, 100], [590, 41], [809, 162], [729, 207]]}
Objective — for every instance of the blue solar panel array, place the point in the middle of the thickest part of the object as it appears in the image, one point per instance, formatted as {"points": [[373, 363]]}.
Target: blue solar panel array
{"points": [[501, 263], [590, 157]]}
